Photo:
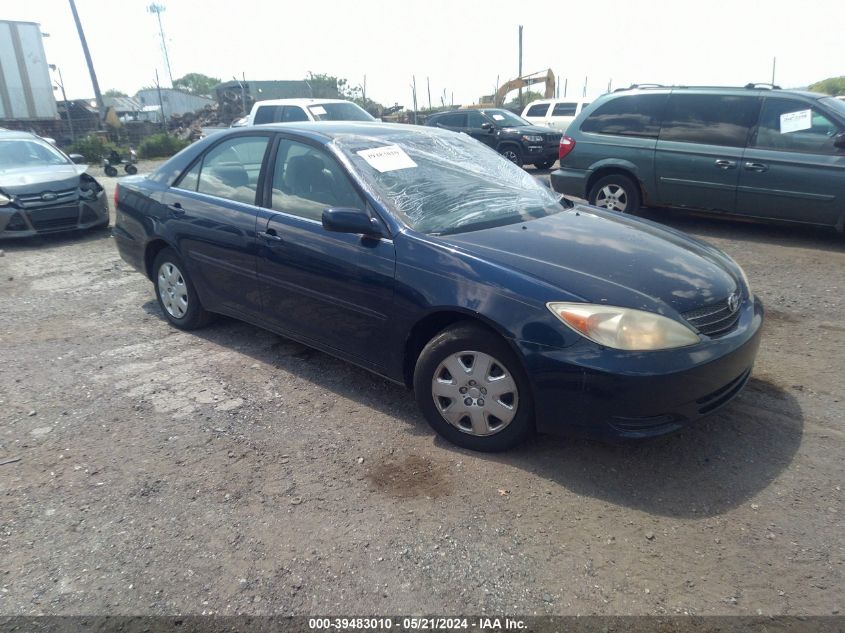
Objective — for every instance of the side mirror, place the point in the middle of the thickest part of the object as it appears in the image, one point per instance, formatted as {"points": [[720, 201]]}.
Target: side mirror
{"points": [[487, 126], [839, 141], [350, 220], [78, 159]]}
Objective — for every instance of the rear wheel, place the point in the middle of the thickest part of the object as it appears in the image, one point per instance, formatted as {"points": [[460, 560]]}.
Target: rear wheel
{"points": [[131, 169], [176, 294], [110, 171], [615, 193], [472, 389], [512, 153]]}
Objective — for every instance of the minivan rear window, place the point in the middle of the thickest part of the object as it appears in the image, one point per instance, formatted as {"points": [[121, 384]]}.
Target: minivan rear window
{"points": [[629, 115], [709, 119]]}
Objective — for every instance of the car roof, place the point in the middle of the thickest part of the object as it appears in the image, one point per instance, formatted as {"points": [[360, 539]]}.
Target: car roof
{"points": [[300, 102], [754, 89], [16, 134], [559, 100], [328, 130]]}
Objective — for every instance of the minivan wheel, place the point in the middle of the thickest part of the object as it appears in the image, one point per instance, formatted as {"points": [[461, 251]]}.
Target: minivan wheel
{"points": [[176, 294], [615, 193], [473, 390], [512, 153]]}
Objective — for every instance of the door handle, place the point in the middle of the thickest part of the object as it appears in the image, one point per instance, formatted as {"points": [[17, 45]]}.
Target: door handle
{"points": [[270, 235], [756, 167], [175, 210], [723, 163]]}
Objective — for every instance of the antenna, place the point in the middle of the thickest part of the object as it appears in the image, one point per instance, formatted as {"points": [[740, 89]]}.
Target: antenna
{"points": [[157, 8]]}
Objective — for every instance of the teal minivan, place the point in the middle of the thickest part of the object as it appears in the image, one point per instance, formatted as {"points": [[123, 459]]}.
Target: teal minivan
{"points": [[756, 151]]}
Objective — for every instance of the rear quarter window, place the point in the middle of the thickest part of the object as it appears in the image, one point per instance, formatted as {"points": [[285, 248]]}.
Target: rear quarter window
{"points": [[538, 110], [628, 115]]}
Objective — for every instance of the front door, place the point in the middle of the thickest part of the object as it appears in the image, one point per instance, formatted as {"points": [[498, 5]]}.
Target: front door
{"points": [[476, 128], [792, 170], [335, 289], [700, 149]]}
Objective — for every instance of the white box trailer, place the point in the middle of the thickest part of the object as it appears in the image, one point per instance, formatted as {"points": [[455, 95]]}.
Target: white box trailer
{"points": [[26, 89]]}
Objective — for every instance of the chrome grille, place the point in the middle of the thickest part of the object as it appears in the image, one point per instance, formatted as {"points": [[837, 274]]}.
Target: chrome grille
{"points": [[713, 320], [33, 200]]}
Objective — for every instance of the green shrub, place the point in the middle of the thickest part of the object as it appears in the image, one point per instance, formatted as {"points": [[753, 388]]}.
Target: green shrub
{"points": [[92, 147], [160, 146]]}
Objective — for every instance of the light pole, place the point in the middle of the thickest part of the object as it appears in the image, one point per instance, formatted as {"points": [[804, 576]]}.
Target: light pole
{"points": [[157, 8], [61, 84]]}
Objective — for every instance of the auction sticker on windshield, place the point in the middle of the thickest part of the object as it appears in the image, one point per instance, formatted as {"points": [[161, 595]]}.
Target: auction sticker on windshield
{"points": [[387, 158]]}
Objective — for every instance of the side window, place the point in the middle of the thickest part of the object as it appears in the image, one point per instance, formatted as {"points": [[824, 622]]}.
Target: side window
{"points": [[306, 181], [190, 178], [294, 113], [709, 119], [630, 115], [538, 110], [230, 169], [793, 126], [565, 109], [453, 119], [474, 119], [267, 114]]}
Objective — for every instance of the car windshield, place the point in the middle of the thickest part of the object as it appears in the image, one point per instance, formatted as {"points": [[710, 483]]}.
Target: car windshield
{"points": [[340, 112], [441, 182], [17, 153], [837, 105], [506, 118]]}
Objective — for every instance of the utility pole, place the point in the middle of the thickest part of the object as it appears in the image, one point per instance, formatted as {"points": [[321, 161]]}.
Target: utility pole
{"points": [[428, 85], [774, 64], [414, 94], [160, 104], [565, 86], [157, 10], [97, 95], [61, 83], [585, 86], [520, 64], [364, 90]]}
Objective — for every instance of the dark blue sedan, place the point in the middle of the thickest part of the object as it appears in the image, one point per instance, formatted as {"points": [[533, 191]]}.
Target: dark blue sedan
{"points": [[427, 258]]}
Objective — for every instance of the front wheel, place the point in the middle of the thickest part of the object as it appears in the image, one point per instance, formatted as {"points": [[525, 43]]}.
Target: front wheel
{"points": [[512, 153], [110, 171], [615, 193], [176, 295], [473, 390], [131, 169]]}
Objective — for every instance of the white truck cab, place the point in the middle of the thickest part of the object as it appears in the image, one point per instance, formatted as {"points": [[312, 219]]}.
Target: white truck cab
{"points": [[289, 110], [554, 113]]}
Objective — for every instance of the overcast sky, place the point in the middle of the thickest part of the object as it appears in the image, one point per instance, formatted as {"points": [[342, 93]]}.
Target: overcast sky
{"points": [[463, 47]]}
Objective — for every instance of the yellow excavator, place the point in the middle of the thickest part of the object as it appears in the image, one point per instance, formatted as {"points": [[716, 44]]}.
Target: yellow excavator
{"points": [[498, 99]]}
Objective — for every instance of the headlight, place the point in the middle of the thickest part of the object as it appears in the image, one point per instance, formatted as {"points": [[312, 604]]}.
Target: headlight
{"points": [[4, 200], [623, 328], [529, 138]]}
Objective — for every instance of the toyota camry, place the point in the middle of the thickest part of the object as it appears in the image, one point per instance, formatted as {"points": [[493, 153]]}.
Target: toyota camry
{"points": [[424, 256]]}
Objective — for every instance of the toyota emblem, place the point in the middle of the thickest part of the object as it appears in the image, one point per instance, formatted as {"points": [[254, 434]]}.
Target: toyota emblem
{"points": [[733, 302]]}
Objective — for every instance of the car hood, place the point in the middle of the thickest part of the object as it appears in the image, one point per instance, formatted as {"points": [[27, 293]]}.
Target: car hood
{"points": [[532, 129], [604, 257], [36, 179]]}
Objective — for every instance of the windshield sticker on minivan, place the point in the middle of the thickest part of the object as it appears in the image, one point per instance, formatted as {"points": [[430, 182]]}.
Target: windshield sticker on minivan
{"points": [[796, 121], [388, 158]]}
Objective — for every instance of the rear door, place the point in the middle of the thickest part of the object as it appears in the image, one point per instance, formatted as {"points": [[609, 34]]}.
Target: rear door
{"points": [[335, 289], [791, 169], [700, 149], [211, 216]]}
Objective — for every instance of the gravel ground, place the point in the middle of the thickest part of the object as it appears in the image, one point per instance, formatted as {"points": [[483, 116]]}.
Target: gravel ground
{"points": [[233, 471]]}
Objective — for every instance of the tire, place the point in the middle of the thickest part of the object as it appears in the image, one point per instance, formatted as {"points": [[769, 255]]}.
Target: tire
{"points": [[512, 153], [468, 348], [131, 169], [544, 164], [110, 170], [615, 192], [176, 295]]}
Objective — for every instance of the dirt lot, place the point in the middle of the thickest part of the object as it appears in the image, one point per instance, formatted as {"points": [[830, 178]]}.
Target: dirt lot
{"points": [[231, 470]]}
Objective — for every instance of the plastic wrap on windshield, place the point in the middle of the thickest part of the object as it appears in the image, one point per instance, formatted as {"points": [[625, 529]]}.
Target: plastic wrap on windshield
{"points": [[444, 182]]}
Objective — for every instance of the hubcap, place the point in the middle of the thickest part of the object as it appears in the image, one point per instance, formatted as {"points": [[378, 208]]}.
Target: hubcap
{"points": [[172, 290], [475, 393], [510, 155], [612, 197]]}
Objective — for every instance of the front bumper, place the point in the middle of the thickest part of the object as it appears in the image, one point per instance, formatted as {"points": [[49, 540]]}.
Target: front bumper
{"points": [[19, 222], [570, 182], [596, 392]]}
